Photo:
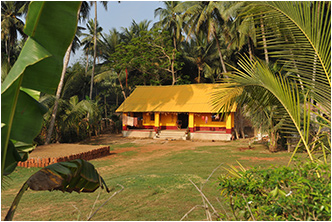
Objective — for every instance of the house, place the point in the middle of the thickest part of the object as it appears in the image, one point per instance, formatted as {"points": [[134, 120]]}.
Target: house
{"points": [[174, 112]]}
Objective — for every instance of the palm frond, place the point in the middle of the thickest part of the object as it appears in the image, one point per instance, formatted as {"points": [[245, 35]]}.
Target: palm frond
{"points": [[299, 34]]}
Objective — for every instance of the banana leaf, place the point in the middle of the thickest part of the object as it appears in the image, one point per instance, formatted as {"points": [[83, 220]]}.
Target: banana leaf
{"points": [[50, 27], [76, 175]]}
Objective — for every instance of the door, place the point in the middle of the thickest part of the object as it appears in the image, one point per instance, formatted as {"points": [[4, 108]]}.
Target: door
{"points": [[183, 120]]}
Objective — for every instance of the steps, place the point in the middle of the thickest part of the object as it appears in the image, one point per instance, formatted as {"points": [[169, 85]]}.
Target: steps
{"points": [[171, 135]]}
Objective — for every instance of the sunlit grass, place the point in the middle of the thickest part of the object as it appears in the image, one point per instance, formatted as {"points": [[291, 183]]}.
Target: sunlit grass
{"points": [[157, 188]]}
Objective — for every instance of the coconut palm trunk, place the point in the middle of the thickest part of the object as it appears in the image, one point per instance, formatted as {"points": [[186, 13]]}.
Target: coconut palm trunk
{"points": [[264, 40], [219, 51], [94, 52], [59, 90], [57, 96]]}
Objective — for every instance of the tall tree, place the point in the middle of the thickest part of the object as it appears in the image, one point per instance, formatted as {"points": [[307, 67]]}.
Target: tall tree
{"points": [[72, 48], [88, 40], [11, 24], [170, 20], [134, 30], [200, 52], [104, 3], [110, 41], [205, 16]]}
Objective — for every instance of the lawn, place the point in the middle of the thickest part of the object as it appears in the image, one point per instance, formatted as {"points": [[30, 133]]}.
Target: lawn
{"points": [[155, 177]]}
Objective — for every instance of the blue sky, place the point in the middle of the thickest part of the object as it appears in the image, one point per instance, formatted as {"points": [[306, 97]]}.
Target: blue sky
{"points": [[121, 15]]}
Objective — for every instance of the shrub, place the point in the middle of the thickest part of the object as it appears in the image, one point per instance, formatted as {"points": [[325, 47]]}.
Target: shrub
{"points": [[302, 192]]}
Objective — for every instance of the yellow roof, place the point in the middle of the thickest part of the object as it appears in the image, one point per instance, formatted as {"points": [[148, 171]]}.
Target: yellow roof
{"points": [[194, 98]]}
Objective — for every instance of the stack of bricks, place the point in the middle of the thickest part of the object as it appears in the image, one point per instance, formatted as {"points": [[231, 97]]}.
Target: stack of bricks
{"points": [[43, 162]]}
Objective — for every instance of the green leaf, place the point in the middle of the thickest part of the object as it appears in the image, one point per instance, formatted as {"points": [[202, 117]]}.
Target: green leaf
{"points": [[76, 175], [51, 27]]}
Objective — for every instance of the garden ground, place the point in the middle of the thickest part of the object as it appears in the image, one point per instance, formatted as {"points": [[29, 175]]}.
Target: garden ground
{"points": [[155, 175]]}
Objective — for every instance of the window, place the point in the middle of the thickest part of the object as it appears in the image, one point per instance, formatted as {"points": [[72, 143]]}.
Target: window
{"points": [[217, 117], [152, 117]]}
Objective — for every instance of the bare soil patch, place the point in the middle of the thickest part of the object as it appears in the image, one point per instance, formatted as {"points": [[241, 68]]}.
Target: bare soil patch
{"points": [[60, 150], [260, 158], [143, 146]]}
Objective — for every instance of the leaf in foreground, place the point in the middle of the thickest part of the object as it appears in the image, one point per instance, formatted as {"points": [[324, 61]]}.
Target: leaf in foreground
{"points": [[76, 175]]}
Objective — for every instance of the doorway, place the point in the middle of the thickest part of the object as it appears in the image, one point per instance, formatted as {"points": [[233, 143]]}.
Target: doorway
{"points": [[183, 120]]}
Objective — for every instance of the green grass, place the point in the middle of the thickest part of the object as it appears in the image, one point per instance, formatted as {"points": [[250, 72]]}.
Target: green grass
{"points": [[157, 188], [128, 153]]}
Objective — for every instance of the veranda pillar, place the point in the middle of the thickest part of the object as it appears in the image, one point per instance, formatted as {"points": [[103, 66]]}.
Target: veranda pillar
{"points": [[124, 117], [156, 121], [191, 122], [229, 122]]}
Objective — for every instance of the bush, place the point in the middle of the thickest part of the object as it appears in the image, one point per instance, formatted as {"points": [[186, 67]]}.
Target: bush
{"points": [[302, 192]]}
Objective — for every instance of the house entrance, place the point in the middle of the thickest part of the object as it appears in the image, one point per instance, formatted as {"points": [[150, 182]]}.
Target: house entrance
{"points": [[182, 120]]}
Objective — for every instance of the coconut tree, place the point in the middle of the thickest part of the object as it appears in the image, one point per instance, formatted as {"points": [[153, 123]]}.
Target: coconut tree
{"points": [[11, 23], [205, 16], [110, 41], [72, 48], [306, 56], [200, 52], [104, 3], [134, 30], [170, 20], [88, 40]]}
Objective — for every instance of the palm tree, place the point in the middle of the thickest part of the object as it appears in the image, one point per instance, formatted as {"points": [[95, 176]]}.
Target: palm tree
{"points": [[205, 16], [110, 41], [170, 20], [88, 40], [11, 23], [104, 3], [200, 52], [305, 56], [72, 48], [134, 30]]}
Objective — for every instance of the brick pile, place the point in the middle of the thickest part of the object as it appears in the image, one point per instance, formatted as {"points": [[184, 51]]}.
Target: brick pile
{"points": [[43, 162]]}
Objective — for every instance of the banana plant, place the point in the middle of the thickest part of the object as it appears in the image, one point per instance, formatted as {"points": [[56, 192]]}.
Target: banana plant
{"points": [[50, 27], [76, 175]]}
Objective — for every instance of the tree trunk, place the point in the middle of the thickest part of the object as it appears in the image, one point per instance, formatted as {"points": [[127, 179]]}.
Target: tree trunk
{"points": [[122, 89], [8, 51], [219, 51], [173, 57], [172, 68], [58, 93], [105, 106], [94, 52], [264, 40], [250, 50], [199, 75], [87, 62]]}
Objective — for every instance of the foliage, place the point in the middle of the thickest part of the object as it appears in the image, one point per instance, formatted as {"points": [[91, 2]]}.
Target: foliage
{"points": [[280, 193], [301, 86], [76, 175], [51, 27], [149, 55], [72, 124], [11, 24]]}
